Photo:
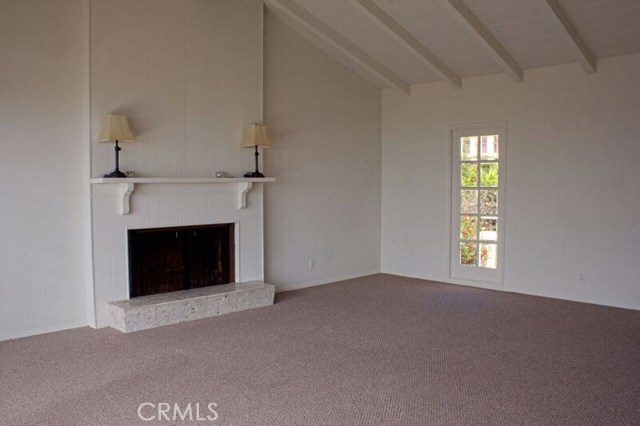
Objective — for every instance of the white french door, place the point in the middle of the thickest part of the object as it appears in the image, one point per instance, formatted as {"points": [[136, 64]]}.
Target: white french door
{"points": [[478, 203]]}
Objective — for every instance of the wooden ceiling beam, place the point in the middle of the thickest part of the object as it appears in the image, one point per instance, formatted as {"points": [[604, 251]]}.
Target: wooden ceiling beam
{"points": [[493, 47], [408, 41], [319, 29], [586, 58]]}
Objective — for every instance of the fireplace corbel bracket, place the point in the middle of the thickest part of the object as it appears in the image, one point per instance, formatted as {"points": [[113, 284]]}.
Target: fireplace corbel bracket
{"points": [[243, 190], [126, 189]]}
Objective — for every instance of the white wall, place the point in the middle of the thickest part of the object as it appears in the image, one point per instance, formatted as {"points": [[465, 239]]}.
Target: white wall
{"points": [[189, 76], [573, 168], [41, 115], [325, 124]]}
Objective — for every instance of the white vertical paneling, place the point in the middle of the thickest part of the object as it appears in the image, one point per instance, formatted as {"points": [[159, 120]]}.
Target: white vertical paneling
{"points": [[189, 75], [103, 210], [144, 56], [99, 84], [90, 308]]}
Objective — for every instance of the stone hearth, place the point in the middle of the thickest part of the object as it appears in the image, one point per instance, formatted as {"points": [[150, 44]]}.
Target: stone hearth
{"points": [[146, 312]]}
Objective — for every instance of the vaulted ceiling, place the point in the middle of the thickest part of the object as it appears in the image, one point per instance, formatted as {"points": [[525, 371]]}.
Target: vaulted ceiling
{"points": [[397, 43]]}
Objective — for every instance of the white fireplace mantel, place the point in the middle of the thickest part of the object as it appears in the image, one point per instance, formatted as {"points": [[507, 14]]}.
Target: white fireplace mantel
{"points": [[127, 186]]}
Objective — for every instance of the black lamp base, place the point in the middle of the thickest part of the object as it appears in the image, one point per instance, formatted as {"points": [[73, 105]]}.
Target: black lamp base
{"points": [[253, 175], [115, 174]]}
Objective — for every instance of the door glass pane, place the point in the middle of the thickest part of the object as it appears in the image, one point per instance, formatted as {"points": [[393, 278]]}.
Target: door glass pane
{"points": [[489, 256], [489, 147], [469, 174], [489, 175], [489, 228], [468, 228], [469, 148], [468, 201], [468, 254], [489, 201]]}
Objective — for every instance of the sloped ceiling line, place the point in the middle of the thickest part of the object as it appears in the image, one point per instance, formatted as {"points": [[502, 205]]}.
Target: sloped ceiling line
{"points": [[495, 49], [585, 56], [311, 23], [377, 15]]}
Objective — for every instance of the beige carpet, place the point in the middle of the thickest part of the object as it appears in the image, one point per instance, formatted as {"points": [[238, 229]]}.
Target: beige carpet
{"points": [[381, 350]]}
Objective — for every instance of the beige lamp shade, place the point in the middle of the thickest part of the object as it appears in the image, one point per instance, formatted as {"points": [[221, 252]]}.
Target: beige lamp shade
{"points": [[255, 135], [115, 127]]}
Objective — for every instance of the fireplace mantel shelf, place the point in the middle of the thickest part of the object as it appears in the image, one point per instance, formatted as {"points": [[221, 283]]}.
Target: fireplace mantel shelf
{"points": [[127, 186]]}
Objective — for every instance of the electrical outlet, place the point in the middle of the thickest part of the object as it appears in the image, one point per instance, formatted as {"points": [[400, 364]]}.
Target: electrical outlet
{"points": [[312, 263], [582, 277]]}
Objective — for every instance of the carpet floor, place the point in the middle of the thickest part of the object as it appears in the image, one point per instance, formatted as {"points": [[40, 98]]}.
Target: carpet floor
{"points": [[380, 350]]}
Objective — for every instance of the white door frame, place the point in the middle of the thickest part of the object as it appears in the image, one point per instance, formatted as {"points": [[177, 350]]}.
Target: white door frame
{"points": [[475, 275]]}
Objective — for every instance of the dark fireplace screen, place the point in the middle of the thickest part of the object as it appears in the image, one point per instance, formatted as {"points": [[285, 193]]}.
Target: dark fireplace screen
{"points": [[163, 260]]}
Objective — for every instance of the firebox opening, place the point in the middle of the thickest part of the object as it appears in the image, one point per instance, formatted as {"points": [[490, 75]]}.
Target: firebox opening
{"points": [[162, 260]]}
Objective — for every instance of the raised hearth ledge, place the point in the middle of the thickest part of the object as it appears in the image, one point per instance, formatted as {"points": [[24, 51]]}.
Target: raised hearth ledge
{"points": [[146, 312], [127, 186]]}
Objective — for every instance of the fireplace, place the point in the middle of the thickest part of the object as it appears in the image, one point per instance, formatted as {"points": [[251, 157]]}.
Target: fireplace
{"points": [[162, 260]]}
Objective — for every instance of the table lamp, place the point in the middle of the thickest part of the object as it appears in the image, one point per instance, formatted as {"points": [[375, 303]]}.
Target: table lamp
{"points": [[255, 135], [115, 127]]}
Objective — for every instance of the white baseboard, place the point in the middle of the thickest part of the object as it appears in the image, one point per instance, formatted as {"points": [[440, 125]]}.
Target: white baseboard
{"points": [[289, 287], [500, 287], [477, 284], [41, 330]]}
